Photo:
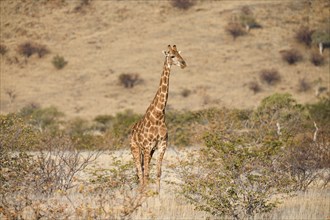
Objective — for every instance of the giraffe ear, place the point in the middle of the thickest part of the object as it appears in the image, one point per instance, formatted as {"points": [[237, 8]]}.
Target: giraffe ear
{"points": [[165, 52]]}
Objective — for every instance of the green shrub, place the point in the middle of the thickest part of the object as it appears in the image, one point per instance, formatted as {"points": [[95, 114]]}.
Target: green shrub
{"points": [[279, 115], [16, 134], [180, 127], [233, 177], [320, 111], [82, 134], [321, 36], [248, 21], [119, 133], [104, 122], [59, 62], [253, 159], [44, 119]]}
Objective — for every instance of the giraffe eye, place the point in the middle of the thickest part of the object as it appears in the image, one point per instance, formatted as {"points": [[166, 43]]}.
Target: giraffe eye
{"points": [[172, 57]]}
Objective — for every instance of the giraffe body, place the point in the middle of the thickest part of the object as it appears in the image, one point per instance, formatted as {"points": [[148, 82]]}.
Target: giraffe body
{"points": [[150, 133]]}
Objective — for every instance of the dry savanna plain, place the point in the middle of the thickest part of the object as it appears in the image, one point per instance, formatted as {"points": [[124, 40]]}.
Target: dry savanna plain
{"points": [[100, 41]]}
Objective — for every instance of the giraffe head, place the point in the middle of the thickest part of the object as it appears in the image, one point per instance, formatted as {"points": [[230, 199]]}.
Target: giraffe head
{"points": [[173, 57]]}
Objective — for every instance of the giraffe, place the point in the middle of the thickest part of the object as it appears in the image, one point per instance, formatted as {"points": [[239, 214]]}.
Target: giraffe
{"points": [[150, 133]]}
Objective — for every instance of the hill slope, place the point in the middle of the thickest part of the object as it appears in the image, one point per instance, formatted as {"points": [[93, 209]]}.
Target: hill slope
{"points": [[104, 39]]}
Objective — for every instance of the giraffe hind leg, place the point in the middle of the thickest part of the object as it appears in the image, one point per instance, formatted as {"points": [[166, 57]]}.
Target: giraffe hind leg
{"points": [[162, 149]]}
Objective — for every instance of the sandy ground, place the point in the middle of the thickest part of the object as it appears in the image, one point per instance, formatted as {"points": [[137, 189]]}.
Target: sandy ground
{"points": [[108, 38]]}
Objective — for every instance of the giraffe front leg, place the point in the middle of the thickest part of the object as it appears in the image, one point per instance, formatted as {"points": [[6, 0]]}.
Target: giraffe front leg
{"points": [[162, 149], [136, 152], [146, 167]]}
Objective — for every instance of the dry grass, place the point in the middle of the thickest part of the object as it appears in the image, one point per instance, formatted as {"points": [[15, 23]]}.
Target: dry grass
{"points": [[81, 203]]}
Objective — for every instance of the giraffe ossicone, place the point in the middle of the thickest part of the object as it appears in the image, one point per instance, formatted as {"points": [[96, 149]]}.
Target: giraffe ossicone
{"points": [[150, 133]]}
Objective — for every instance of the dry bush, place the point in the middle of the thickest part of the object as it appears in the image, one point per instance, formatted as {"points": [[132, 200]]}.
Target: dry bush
{"points": [[129, 80], [183, 4], [82, 4], [235, 29], [317, 59], [304, 35], [28, 49], [185, 93], [58, 162], [29, 180], [3, 49], [291, 56], [308, 159], [270, 76], [254, 86]]}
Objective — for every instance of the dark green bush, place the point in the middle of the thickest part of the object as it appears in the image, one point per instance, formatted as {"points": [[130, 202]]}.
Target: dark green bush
{"points": [[59, 62]]}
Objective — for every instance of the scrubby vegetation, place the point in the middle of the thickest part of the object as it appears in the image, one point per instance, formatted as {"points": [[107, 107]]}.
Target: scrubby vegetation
{"points": [[249, 158], [264, 156]]}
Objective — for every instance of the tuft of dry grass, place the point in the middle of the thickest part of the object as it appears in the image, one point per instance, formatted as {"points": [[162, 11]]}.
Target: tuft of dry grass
{"points": [[254, 86], [270, 76], [303, 85], [3, 49], [292, 56]]}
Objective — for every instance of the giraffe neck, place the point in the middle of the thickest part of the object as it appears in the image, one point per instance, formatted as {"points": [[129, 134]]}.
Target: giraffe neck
{"points": [[157, 107]]}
